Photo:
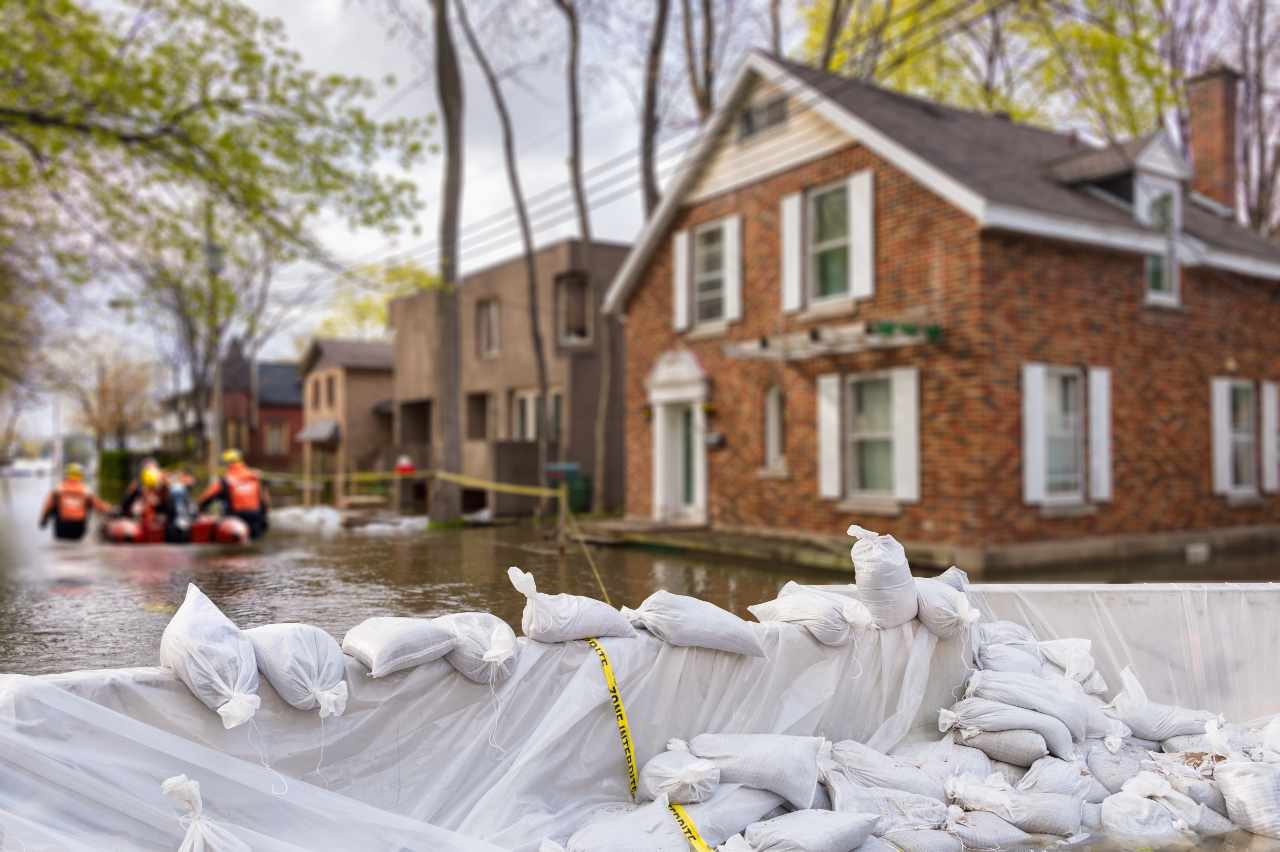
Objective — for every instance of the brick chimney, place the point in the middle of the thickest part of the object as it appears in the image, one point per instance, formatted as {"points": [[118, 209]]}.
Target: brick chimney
{"points": [[1211, 101]]}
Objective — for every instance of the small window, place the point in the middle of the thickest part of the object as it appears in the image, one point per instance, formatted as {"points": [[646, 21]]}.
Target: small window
{"points": [[330, 391], [477, 416], [773, 422], [277, 439], [1244, 437], [1157, 207], [708, 274], [315, 392], [557, 415], [487, 328], [870, 436], [1064, 433], [762, 116], [828, 239], [574, 302], [524, 426]]}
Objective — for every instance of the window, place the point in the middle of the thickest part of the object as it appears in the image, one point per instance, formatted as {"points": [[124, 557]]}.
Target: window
{"points": [[761, 116], [773, 418], [487, 328], [1064, 434], [527, 411], [828, 241], [1156, 204], [870, 436], [708, 273], [557, 415], [330, 391], [276, 439], [477, 416], [1244, 437], [315, 392], [574, 302]]}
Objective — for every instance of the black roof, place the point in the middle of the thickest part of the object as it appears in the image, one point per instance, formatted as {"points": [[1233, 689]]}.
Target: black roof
{"points": [[279, 383]]}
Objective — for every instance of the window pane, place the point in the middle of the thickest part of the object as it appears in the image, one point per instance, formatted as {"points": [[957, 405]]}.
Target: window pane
{"points": [[710, 310], [874, 465], [1243, 469], [710, 251], [1157, 280], [1160, 211], [830, 216], [1242, 409], [831, 272], [872, 406]]}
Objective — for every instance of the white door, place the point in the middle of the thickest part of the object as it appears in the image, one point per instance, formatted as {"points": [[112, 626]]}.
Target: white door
{"points": [[679, 462]]}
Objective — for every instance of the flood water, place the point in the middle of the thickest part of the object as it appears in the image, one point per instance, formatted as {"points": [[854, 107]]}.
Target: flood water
{"points": [[67, 606]]}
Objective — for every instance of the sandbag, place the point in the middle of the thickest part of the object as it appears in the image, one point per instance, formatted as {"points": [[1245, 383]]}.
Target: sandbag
{"points": [[680, 776], [201, 834], [303, 664], [1011, 773], [1034, 813], [1067, 778], [943, 611], [943, 758], [1127, 816], [1019, 748], [1007, 633], [982, 831], [867, 766], [921, 840], [883, 578], [998, 657], [208, 653], [1091, 816], [565, 618], [484, 650], [1186, 773], [652, 827], [781, 764], [1031, 693], [897, 809], [387, 644], [1073, 656], [689, 622], [1199, 819], [811, 831], [1113, 769], [1150, 720], [1225, 740], [829, 620], [955, 578], [984, 715], [1252, 794], [871, 844]]}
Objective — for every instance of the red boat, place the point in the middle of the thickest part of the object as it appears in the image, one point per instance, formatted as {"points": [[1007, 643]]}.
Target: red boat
{"points": [[204, 529]]}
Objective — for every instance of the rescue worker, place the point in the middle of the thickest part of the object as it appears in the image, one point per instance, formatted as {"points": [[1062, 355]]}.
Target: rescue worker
{"points": [[70, 505], [241, 494], [138, 486]]}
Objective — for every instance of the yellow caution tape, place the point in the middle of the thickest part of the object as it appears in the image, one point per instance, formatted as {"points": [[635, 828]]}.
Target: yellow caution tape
{"points": [[619, 715], [474, 482], [689, 830]]}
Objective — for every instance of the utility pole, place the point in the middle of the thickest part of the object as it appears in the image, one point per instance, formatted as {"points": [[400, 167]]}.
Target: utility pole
{"points": [[213, 264]]}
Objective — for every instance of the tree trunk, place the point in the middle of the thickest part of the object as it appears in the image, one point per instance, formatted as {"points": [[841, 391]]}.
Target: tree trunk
{"points": [[526, 237], [775, 26], [446, 498], [835, 26], [698, 76], [649, 111]]}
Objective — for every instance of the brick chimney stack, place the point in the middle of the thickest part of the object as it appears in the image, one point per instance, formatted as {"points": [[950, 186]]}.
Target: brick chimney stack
{"points": [[1211, 101]]}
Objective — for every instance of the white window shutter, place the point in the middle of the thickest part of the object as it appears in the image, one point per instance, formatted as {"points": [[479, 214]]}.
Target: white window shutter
{"points": [[862, 234], [906, 433], [1270, 456], [681, 264], [1220, 394], [830, 468], [792, 252], [1099, 433], [658, 468], [733, 268], [1034, 463]]}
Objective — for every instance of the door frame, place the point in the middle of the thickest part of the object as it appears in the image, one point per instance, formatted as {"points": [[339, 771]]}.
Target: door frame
{"points": [[677, 382]]}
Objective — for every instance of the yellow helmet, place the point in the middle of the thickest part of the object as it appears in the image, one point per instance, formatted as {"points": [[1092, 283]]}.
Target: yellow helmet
{"points": [[232, 457], [74, 471], [150, 477]]}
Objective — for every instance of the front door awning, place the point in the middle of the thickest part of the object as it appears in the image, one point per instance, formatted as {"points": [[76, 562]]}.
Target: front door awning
{"points": [[319, 432]]}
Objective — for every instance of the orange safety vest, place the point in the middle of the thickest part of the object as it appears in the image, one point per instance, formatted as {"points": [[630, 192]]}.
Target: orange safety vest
{"points": [[73, 501], [244, 491]]}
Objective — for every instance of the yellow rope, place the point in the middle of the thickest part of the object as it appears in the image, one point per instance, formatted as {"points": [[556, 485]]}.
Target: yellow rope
{"points": [[586, 551]]}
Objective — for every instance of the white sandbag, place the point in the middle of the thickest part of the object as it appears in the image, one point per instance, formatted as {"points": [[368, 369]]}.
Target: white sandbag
{"points": [[781, 764], [1034, 813], [1188, 774], [1127, 816], [485, 649], [202, 833], [1091, 816], [811, 831], [653, 828], [998, 657], [387, 644], [829, 620], [1011, 773], [955, 578], [1226, 740], [921, 840], [565, 618], [984, 715], [983, 831], [944, 611], [303, 664], [1196, 817], [1252, 793], [1064, 777], [1007, 633], [943, 758], [897, 809], [1031, 693], [1113, 769], [883, 577], [1019, 748], [1073, 656], [209, 654], [690, 622], [680, 776], [867, 766], [1150, 720]]}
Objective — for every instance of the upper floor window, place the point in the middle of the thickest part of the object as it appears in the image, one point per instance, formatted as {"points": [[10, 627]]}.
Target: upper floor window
{"points": [[330, 391], [477, 416], [761, 116], [708, 273], [828, 241], [315, 392], [1156, 203], [573, 316], [487, 328]]}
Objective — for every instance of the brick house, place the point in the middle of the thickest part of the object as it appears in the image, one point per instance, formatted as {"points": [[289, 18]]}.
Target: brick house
{"points": [[1003, 344], [499, 388], [262, 410]]}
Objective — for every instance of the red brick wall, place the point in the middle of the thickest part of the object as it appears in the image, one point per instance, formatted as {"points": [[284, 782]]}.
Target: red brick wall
{"points": [[927, 262], [271, 414]]}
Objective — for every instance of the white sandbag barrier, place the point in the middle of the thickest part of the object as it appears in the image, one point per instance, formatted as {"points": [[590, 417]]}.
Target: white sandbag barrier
{"points": [[470, 738]]}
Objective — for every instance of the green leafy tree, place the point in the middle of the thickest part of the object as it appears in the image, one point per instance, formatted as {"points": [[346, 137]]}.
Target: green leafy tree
{"points": [[359, 308]]}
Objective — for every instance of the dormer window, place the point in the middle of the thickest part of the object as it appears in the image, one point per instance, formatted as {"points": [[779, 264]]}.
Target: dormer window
{"points": [[1157, 204], [761, 116]]}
